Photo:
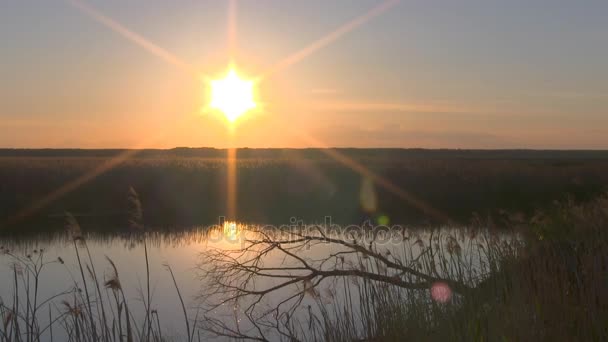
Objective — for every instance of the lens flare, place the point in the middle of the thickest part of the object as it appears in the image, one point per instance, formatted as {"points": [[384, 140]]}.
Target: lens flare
{"points": [[441, 292], [367, 196]]}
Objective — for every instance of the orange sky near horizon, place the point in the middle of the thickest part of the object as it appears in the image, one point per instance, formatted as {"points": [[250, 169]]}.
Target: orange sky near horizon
{"points": [[110, 75]]}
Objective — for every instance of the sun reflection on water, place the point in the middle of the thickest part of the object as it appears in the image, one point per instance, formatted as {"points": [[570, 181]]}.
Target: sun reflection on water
{"points": [[232, 231]]}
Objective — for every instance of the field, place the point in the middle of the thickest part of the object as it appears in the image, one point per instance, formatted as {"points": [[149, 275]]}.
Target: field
{"points": [[188, 186]]}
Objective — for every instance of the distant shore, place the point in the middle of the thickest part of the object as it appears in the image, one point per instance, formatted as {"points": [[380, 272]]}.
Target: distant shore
{"points": [[210, 152]]}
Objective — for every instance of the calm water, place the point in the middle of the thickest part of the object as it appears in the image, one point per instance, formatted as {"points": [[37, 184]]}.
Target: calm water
{"points": [[182, 251]]}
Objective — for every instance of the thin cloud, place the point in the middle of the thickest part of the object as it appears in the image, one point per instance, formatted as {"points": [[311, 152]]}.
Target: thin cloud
{"points": [[325, 91], [348, 106]]}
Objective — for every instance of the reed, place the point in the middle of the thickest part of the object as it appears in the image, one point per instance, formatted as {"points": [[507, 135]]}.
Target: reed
{"points": [[92, 309], [552, 286], [545, 282]]}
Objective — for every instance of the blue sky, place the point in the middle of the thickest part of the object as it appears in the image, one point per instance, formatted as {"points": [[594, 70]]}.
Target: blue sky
{"points": [[455, 74]]}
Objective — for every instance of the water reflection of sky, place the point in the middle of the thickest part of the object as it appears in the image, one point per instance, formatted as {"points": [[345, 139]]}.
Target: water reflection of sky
{"points": [[179, 249]]}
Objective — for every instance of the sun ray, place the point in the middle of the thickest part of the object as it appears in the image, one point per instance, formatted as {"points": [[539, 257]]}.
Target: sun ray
{"points": [[231, 186], [70, 186], [232, 28], [329, 38], [132, 36], [122, 157], [231, 161], [231, 156], [375, 178]]}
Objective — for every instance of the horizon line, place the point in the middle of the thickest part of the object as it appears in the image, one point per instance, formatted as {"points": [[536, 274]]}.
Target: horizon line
{"points": [[297, 148]]}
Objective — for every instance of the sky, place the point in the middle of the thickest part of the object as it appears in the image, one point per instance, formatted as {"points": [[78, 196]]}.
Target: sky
{"points": [[433, 74]]}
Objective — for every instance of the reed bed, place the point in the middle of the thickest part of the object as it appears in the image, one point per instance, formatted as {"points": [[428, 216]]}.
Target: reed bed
{"points": [[550, 285], [546, 280], [94, 308]]}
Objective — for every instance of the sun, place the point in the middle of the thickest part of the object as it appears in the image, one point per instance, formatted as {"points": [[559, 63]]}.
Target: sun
{"points": [[232, 95]]}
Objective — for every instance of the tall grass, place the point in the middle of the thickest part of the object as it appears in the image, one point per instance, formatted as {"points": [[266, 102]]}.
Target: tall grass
{"points": [[551, 287], [92, 309], [547, 282]]}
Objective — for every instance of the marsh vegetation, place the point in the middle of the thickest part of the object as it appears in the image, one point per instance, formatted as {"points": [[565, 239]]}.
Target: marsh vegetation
{"points": [[187, 187], [526, 271], [544, 279]]}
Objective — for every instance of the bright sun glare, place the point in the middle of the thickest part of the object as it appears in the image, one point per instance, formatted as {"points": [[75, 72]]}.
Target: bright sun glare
{"points": [[232, 95]]}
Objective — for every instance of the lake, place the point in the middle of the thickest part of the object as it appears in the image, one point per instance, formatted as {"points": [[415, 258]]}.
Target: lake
{"points": [[187, 250]]}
